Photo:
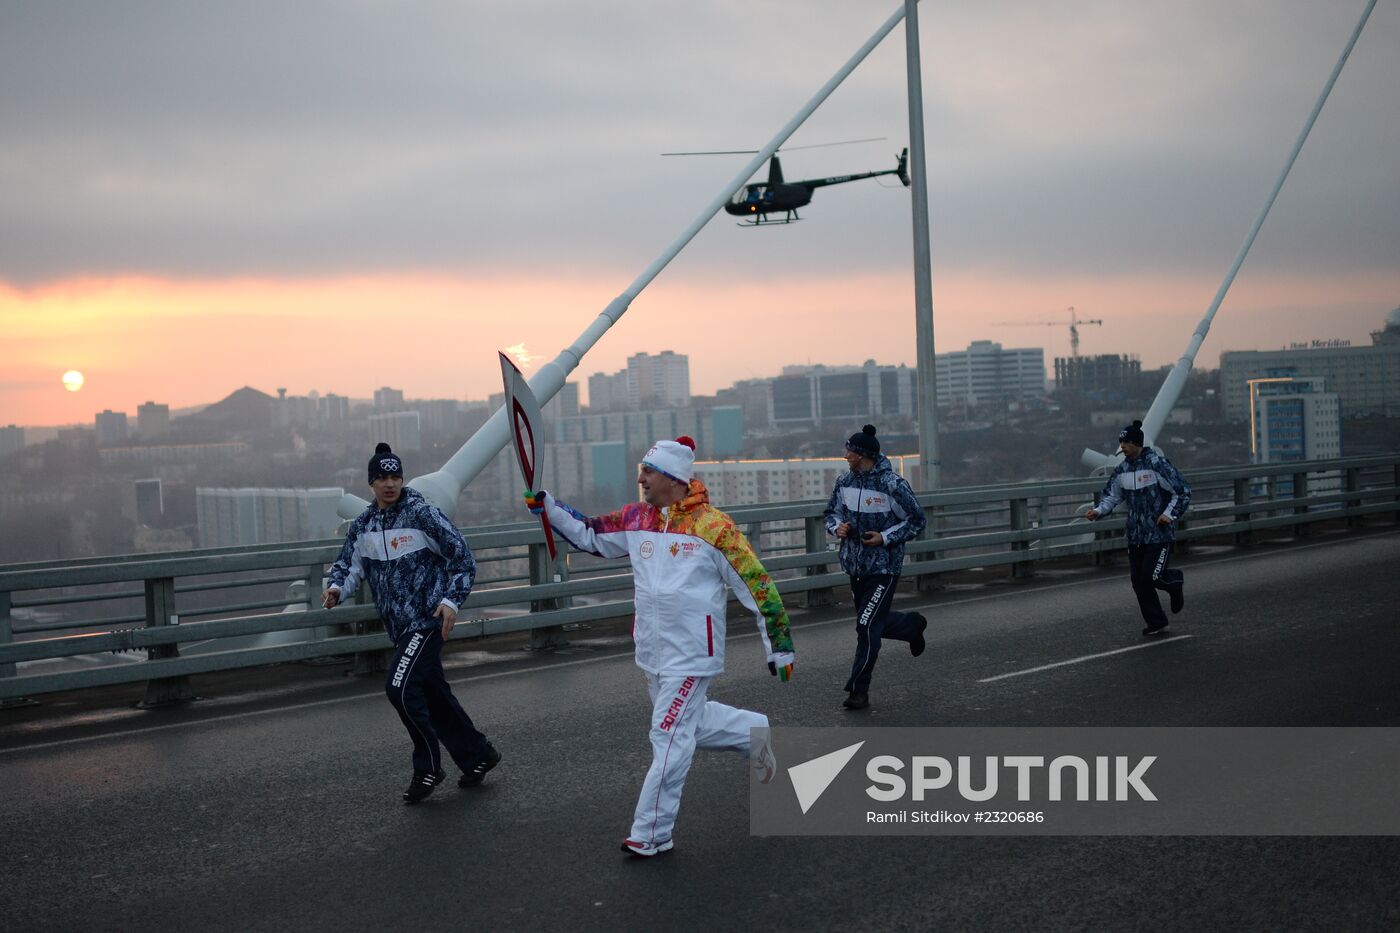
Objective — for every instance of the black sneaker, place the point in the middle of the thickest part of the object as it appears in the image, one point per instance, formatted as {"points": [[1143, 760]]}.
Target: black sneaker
{"points": [[917, 644], [422, 785], [1178, 597], [857, 701], [477, 772], [1154, 631]]}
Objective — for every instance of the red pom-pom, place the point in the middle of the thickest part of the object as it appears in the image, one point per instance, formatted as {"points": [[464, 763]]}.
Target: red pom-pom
{"points": [[687, 440]]}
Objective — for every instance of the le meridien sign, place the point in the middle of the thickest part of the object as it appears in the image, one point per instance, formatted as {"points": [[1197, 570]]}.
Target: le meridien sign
{"points": [[1329, 344], [1081, 781]]}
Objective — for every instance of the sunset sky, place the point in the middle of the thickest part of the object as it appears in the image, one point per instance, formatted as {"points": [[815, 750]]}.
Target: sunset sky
{"points": [[340, 196]]}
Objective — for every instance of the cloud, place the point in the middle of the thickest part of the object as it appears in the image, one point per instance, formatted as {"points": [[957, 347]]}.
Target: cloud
{"points": [[337, 137]]}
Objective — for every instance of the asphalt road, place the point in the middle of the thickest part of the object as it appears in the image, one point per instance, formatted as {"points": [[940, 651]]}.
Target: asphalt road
{"points": [[279, 809]]}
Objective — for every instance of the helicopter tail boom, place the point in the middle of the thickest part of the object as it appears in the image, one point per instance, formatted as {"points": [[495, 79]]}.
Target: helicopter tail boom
{"points": [[901, 170]]}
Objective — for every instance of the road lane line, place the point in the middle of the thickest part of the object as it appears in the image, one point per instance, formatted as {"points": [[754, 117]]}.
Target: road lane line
{"points": [[1087, 657]]}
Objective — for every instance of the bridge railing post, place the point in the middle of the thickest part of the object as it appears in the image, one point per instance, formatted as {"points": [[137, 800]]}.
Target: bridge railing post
{"points": [[542, 570], [1300, 491], [1104, 557], [930, 582], [1396, 483], [1020, 521], [7, 636], [1353, 484], [376, 660], [160, 613], [1242, 497], [1181, 546], [7, 631], [814, 529], [315, 573]]}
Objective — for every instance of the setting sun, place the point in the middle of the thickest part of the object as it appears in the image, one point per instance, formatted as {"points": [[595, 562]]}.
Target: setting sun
{"points": [[72, 380]]}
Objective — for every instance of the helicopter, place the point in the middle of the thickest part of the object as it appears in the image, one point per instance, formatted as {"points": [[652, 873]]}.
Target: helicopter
{"points": [[759, 202]]}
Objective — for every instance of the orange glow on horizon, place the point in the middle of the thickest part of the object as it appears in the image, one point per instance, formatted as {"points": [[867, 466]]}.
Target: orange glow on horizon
{"points": [[189, 343]]}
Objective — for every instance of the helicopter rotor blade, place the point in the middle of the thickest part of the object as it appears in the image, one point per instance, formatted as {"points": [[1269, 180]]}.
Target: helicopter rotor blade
{"points": [[844, 142], [714, 152]]}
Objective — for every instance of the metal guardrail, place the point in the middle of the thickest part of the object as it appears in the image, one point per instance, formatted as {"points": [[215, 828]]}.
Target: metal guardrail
{"points": [[1012, 525]]}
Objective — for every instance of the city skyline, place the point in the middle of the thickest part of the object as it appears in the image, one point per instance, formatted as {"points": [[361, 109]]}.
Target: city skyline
{"points": [[178, 221], [371, 396]]}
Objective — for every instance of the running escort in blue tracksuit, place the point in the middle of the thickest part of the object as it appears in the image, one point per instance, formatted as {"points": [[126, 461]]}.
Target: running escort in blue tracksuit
{"points": [[872, 511], [1156, 496], [420, 569]]}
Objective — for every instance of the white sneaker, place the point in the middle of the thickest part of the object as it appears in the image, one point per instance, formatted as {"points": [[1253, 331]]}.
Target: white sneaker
{"points": [[638, 849], [761, 758]]}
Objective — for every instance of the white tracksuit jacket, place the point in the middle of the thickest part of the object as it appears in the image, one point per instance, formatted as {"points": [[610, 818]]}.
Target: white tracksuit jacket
{"points": [[684, 558]]}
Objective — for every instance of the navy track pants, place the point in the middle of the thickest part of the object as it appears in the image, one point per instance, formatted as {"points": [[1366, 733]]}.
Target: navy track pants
{"points": [[1148, 570], [420, 693], [874, 621]]}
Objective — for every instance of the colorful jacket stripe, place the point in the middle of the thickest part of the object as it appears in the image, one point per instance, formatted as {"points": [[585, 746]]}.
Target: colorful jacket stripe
{"points": [[878, 499], [414, 559], [1152, 487], [684, 559]]}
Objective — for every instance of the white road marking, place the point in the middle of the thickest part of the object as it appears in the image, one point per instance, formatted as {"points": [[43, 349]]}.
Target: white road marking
{"points": [[1087, 657]]}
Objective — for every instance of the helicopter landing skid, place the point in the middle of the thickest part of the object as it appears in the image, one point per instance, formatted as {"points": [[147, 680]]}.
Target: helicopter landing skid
{"points": [[761, 222]]}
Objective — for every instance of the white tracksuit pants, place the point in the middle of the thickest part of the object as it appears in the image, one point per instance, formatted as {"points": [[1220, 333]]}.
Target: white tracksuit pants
{"points": [[682, 720]]}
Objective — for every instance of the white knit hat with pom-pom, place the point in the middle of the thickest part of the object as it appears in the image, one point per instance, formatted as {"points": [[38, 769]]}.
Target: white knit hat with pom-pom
{"points": [[674, 458]]}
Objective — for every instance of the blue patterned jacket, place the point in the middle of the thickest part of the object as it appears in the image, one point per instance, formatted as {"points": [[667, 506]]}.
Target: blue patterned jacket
{"points": [[1152, 487], [878, 499], [414, 559]]}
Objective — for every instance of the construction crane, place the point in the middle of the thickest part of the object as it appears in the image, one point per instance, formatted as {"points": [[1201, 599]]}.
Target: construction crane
{"points": [[1074, 323]]}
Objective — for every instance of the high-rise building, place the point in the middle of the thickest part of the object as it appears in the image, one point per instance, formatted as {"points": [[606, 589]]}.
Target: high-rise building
{"points": [[565, 402], [1365, 379], [813, 394], [599, 473], [1293, 419], [148, 501], [152, 421], [111, 428], [295, 411], [763, 482], [401, 430], [333, 409], [11, 440], [987, 376], [439, 417], [718, 432], [607, 392], [760, 482], [154, 454], [226, 517], [752, 395], [661, 380], [1112, 373], [472, 416], [387, 399], [264, 516]]}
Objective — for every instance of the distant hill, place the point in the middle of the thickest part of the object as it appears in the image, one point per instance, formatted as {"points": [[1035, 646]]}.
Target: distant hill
{"points": [[246, 409]]}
